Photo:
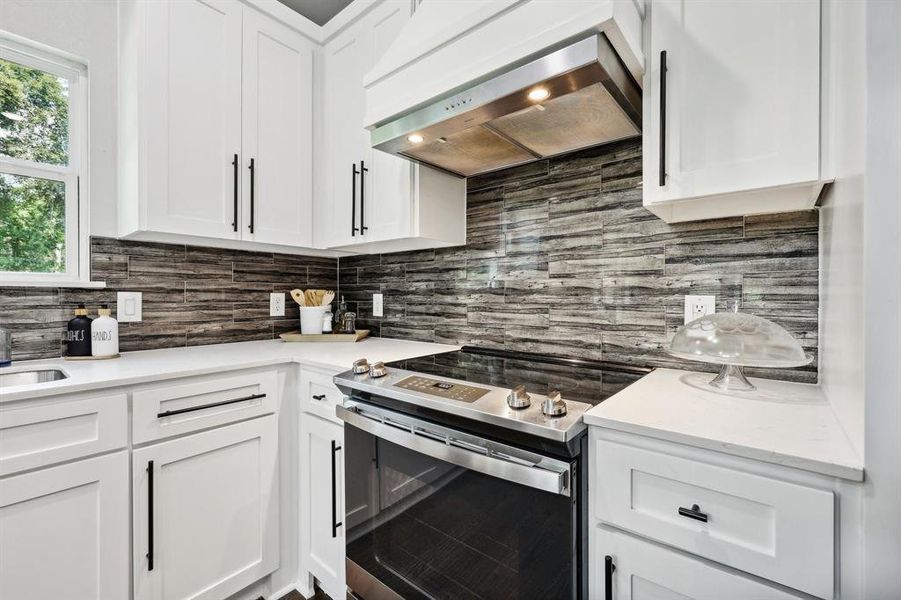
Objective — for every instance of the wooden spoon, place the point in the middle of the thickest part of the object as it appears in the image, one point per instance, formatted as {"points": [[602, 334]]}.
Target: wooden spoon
{"points": [[327, 298], [298, 297]]}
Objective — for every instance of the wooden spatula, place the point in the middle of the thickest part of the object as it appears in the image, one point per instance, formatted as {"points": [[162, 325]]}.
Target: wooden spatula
{"points": [[298, 297]]}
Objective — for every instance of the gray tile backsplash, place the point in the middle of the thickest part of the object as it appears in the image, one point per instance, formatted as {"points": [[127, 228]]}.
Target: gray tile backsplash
{"points": [[191, 296], [563, 259]]}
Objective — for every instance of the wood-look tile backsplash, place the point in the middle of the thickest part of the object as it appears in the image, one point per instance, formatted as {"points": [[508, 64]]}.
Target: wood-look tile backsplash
{"points": [[561, 258], [191, 296]]}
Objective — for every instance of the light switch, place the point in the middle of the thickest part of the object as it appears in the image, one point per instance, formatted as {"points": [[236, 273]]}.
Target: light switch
{"points": [[128, 307]]}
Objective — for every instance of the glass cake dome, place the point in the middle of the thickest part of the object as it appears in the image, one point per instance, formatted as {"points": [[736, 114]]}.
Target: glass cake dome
{"points": [[737, 340]]}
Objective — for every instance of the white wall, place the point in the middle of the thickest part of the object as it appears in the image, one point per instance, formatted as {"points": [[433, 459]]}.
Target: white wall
{"points": [[841, 219], [86, 29], [882, 280]]}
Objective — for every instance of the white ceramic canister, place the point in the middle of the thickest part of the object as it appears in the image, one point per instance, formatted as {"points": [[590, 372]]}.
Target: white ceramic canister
{"points": [[104, 333], [311, 319]]}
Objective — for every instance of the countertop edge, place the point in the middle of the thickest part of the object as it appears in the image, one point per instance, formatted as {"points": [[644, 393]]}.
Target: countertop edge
{"points": [[843, 471]]}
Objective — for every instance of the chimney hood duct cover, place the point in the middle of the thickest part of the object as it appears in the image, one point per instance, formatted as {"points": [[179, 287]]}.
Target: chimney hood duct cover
{"points": [[590, 99]]}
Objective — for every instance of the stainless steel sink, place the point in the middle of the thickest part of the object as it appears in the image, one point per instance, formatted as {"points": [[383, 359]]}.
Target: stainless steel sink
{"points": [[10, 378]]}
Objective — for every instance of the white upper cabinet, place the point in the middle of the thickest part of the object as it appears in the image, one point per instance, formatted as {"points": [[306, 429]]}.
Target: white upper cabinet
{"points": [[206, 89], [278, 132], [193, 116], [367, 199], [732, 122]]}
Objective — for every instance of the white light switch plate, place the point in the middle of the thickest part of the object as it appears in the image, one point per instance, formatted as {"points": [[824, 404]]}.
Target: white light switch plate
{"points": [[699, 306], [128, 307], [277, 304], [378, 305]]}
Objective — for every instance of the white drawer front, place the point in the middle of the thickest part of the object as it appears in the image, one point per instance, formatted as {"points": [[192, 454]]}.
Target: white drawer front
{"points": [[37, 435], [645, 571], [194, 404], [318, 395], [780, 531]]}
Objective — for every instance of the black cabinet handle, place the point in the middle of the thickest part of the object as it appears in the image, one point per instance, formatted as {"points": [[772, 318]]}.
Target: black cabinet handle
{"points": [[318, 396], [252, 169], [662, 181], [353, 201], [693, 513], [363, 171], [150, 515], [235, 193], [609, 568], [335, 523], [180, 411]]}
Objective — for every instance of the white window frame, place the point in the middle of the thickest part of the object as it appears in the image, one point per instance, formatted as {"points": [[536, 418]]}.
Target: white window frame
{"points": [[74, 175]]}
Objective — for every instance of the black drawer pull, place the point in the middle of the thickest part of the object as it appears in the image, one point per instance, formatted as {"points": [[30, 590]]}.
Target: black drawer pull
{"points": [[252, 168], [609, 568], [662, 174], [335, 522], [319, 397], [180, 411], [150, 515], [693, 513]]}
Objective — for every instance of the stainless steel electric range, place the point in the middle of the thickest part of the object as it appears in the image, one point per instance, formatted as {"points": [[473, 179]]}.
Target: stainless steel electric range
{"points": [[465, 474]]}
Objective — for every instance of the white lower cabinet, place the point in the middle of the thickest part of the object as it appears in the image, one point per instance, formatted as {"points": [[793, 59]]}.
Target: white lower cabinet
{"points": [[205, 512], [64, 531], [322, 497], [639, 570]]}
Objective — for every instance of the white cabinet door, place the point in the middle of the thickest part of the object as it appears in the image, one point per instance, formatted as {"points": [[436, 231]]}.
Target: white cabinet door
{"points": [[64, 531], [206, 512], [388, 202], [277, 122], [193, 112], [322, 494], [345, 141], [742, 105], [645, 571]]}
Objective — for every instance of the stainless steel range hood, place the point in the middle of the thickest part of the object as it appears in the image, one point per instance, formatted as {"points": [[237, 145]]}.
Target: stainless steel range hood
{"points": [[578, 96]]}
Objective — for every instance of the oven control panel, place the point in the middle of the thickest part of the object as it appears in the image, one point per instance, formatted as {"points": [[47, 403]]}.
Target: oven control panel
{"points": [[443, 389]]}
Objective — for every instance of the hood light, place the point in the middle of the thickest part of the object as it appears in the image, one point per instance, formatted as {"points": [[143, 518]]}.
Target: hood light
{"points": [[415, 138], [538, 94]]}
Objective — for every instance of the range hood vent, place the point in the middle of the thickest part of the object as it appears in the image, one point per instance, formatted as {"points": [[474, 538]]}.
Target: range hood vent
{"points": [[575, 97]]}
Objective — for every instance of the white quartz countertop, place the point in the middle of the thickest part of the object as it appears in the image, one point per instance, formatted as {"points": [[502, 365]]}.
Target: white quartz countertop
{"points": [[781, 422], [155, 365]]}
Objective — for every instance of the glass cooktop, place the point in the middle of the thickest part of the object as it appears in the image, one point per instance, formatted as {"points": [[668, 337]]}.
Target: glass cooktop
{"points": [[581, 380]]}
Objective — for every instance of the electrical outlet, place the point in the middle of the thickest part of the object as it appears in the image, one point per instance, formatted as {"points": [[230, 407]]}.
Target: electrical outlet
{"points": [[378, 305], [699, 306], [128, 307], [277, 304]]}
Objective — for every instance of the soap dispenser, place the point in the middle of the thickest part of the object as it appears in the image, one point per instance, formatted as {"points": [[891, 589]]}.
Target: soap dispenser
{"points": [[78, 333], [104, 334]]}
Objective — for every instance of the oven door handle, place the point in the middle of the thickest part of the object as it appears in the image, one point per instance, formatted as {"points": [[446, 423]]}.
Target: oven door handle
{"points": [[550, 478]]}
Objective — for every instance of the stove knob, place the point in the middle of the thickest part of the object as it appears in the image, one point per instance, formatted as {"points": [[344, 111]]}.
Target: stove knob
{"points": [[361, 365], [378, 370], [553, 405], [519, 398]]}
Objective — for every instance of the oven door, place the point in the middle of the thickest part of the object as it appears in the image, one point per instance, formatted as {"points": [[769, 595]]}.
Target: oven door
{"points": [[437, 513]]}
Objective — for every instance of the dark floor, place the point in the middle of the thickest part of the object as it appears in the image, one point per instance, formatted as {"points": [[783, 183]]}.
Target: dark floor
{"points": [[295, 595]]}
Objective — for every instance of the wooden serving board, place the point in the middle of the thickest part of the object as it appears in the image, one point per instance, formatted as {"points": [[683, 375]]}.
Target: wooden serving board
{"points": [[110, 357], [296, 336]]}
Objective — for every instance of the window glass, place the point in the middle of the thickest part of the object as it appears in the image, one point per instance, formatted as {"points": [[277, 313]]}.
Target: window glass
{"points": [[32, 224], [34, 114]]}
